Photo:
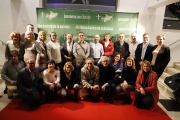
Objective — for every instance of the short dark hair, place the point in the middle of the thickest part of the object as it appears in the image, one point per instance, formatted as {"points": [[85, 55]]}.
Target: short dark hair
{"points": [[52, 33], [14, 52], [52, 61], [80, 32], [31, 25]]}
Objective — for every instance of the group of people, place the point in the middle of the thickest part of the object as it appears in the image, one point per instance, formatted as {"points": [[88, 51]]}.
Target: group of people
{"points": [[96, 69]]}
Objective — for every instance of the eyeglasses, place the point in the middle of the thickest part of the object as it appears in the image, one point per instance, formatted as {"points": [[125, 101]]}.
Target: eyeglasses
{"points": [[105, 61], [81, 35]]}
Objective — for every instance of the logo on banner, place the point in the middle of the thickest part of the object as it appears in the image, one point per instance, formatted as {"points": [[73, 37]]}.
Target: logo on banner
{"points": [[105, 19], [50, 16]]}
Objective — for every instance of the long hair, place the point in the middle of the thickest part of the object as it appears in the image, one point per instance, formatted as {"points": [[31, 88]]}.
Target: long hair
{"points": [[133, 63], [39, 34], [114, 55], [149, 64]]}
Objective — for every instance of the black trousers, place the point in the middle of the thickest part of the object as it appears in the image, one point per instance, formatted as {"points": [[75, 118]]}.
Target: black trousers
{"points": [[50, 94], [109, 92], [143, 101]]}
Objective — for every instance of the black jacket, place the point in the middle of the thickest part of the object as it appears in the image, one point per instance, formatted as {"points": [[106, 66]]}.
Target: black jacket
{"points": [[124, 50]]}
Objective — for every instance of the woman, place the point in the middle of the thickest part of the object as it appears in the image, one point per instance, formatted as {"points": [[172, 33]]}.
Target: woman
{"points": [[69, 80], [41, 40], [51, 78], [161, 56], [116, 62], [67, 49], [53, 49], [14, 44], [146, 93], [108, 45], [32, 48], [129, 75]]}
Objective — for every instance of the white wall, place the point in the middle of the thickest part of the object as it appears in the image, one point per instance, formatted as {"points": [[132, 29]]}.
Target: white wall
{"points": [[15, 15], [150, 21]]}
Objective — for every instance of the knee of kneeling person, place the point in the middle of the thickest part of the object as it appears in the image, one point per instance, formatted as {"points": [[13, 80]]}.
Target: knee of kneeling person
{"points": [[76, 86]]}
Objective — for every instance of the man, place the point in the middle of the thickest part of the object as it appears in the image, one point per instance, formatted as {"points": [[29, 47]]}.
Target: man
{"points": [[122, 47], [9, 72], [27, 84], [90, 79], [81, 47], [107, 78], [133, 45], [96, 49], [143, 51], [30, 27]]}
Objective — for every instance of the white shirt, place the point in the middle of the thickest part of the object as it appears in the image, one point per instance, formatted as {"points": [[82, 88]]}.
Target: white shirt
{"points": [[132, 48], [53, 50], [49, 78]]}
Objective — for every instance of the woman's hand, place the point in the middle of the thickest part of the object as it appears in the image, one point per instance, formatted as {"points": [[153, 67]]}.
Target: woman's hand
{"points": [[125, 84], [142, 91], [118, 70], [58, 85], [138, 90], [51, 88]]}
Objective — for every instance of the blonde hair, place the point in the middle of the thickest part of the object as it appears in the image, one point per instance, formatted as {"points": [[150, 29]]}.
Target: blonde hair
{"points": [[161, 35], [15, 33], [149, 64], [70, 34], [68, 64], [27, 32], [41, 32], [133, 63]]}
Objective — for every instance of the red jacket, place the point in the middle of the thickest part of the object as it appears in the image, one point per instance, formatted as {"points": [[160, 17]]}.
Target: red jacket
{"points": [[109, 50], [152, 87]]}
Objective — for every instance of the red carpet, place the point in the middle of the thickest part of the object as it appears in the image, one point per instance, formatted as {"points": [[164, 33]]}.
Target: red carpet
{"points": [[69, 110]]}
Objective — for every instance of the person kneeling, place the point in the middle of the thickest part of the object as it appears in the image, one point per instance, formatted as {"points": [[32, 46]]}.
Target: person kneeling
{"points": [[69, 80], [51, 78], [129, 76], [90, 80], [147, 93]]}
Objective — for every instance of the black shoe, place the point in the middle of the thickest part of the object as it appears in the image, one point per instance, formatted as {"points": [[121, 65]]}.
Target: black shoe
{"points": [[95, 99], [76, 99], [110, 100], [11, 97], [5, 91], [127, 100]]}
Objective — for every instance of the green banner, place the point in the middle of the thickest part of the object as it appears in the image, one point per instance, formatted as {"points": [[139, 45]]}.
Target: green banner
{"points": [[90, 22]]}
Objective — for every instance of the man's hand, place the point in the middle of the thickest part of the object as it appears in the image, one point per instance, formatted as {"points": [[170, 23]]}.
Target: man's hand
{"points": [[66, 87], [13, 83], [29, 90]]}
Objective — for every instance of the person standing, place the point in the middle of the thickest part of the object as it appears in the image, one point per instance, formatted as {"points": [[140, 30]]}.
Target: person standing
{"points": [[67, 49], [143, 51], [161, 56], [122, 47], [96, 49], [108, 45], [133, 45], [53, 50], [30, 27]]}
